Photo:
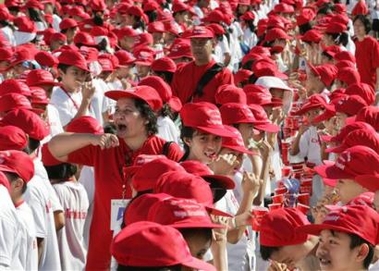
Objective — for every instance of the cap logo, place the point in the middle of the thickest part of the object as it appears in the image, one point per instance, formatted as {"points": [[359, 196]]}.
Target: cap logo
{"points": [[342, 160], [332, 218], [199, 30], [214, 117]]}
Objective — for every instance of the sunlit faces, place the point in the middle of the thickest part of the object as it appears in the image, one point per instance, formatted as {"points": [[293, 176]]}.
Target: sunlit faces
{"points": [[312, 114], [201, 49], [277, 93], [327, 40], [70, 34], [128, 120], [127, 43], [73, 78], [335, 254], [203, 147], [348, 189], [198, 245], [289, 255], [313, 84]]}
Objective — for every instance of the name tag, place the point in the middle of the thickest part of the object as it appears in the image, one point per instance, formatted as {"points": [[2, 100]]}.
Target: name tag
{"points": [[117, 212]]}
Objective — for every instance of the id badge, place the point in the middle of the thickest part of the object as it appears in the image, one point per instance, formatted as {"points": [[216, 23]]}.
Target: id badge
{"points": [[117, 212]]}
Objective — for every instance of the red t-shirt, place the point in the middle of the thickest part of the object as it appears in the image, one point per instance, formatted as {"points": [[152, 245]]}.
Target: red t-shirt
{"points": [[367, 56], [186, 79], [108, 165]]}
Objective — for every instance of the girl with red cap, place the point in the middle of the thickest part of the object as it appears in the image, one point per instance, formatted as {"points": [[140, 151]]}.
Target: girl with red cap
{"points": [[135, 122]]}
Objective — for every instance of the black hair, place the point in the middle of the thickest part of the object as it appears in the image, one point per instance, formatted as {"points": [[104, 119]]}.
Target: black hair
{"points": [[98, 18], [356, 241], [325, 9], [138, 22], [14, 9], [110, 128], [5, 23], [33, 144], [365, 20], [63, 67], [35, 15], [247, 65], [250, 24], [165, 75], [304, 28], [147, 113], [189, 232], [266, 251], [61, 172], [327, 55], [177, 267], [152, 15], [186, 132], [340, 38], [166, 111], [11, 176]]}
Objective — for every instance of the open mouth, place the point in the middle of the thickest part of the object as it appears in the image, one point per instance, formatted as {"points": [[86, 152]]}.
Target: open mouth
{"points": [[121, 127], [211, 155], [324, 262]]}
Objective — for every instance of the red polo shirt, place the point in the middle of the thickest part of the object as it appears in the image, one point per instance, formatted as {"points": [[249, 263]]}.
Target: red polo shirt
{"points": [[108, 165], [186, 79], [367, 56]]}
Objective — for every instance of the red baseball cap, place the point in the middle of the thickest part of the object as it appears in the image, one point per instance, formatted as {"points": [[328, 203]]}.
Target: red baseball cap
{"points": [[313, 102], [349, 219], [180, 48], [248, 16], [28, 121], [327, 72], [178, 6], [229, 93], [20, 55], [156, 27], [360, 8], [84, 38], [335, 28], [85, 124], [138, 208], [73, 58], [40, 77], [39, 96], [163, 64], [276, 33], [233, 113], [235, 143], [348, 75], [143, 39], [14, 86], [203, 116], [6, 54], [242, 75], [312, 35], [354, 161], [350, 105], [125, 58], [364, 137], [24, 24], [144, 57], [12, 101], [347, 129], [12, 138], [345, 55], [140, 244], [46, 59], [365, 91], [331, 50], [279, 228], [306, 15], [164, 91], [370, 115], [181, 214], [106, 63], [147, 175], [67, 23], [185, 185], [145, 93], [215, 16], [199, 169], [17, 162], [260, 95], [201, 32], [366, 198], [262, 122]]}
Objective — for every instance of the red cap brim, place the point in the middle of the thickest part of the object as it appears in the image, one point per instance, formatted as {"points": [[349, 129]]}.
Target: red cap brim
{"points": [[329, 170]]}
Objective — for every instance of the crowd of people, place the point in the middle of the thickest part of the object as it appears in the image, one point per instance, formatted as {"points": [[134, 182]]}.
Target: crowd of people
{"points": [[189, 135]]}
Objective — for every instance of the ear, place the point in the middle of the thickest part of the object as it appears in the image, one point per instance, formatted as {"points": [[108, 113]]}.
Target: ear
{"points": [[187, 141], [362, 252]]}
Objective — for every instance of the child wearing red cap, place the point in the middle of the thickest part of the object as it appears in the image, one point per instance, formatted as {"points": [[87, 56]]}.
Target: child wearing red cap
{"points": [[135, 121], [74, 200], [73, 97], [348, 236], [280, 241]]}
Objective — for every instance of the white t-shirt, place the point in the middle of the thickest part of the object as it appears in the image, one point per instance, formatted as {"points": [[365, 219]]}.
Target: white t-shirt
{"points": [[67, 104], [221, 48], [97, 100], [38, 196], [9, 35], [73, 197], [9, 228], [29, 249], [249, 38], [167, 129], [309, 146]]}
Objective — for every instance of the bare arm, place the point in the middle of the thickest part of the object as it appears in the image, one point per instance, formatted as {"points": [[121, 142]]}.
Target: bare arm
{"points": [[63, 144], [59, 220]]}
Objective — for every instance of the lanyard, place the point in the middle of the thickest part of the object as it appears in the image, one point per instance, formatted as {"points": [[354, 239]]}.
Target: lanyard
{"points": [[72, 100]]}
